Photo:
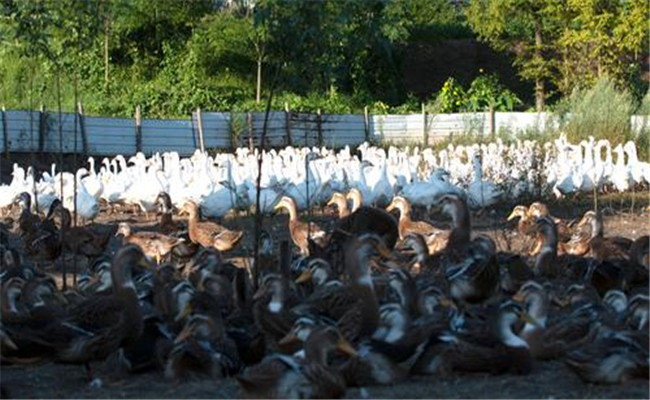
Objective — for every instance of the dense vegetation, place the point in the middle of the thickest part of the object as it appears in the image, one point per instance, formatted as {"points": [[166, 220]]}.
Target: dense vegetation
{"points": [[171, 56]]}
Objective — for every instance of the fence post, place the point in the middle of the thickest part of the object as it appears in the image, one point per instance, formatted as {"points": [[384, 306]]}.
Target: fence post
{"points": [[42, 119], [319, 127], [425, 131], [366, 123], [138, 129], [249, 120], [5, 133], [199, 120], [287, 122], [82, 126], [492, 122]]}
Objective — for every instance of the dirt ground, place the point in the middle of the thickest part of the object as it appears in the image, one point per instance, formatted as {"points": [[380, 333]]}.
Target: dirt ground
{"points": [[550, 379]]}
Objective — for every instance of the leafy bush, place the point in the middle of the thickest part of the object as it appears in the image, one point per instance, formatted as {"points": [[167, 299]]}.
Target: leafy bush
{"points": [[486, 91], [602, 111]]}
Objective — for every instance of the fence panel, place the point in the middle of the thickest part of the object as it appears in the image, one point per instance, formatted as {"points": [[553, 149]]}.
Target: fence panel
{"points": [[160, 135], [110, 136]]}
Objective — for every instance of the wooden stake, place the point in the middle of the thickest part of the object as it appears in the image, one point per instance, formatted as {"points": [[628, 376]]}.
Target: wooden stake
{"points": [[249, 121], [287, 122], [82, 126], [319, 127], [199, 120], [42, 126], [425, 132], [138, 129], [366, 123], [5, 133]]}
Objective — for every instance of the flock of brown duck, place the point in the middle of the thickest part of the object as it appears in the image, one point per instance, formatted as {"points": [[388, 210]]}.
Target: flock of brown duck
{"points": [[371, 301]]}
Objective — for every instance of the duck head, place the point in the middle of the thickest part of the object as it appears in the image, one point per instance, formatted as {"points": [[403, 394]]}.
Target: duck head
{"points": [[595, 220], [340, 201], [164, 202], [323, 341], [318, 270], [12, 290], [273, 289], [123, 229], [288, 204], [518, 212], [535, 299], [357, 198], [124, 262], [538, 209]]}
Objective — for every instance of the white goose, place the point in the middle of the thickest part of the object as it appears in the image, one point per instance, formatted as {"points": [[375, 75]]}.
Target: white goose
{"points": [[480, 193]]}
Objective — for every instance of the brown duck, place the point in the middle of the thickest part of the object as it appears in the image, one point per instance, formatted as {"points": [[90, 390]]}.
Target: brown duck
{"points": [[209, 234], [301, 231], [154, 245]]}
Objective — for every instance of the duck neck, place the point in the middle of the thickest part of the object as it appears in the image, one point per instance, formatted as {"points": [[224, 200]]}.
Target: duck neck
{"points": [[537, 308], [293, 213], [9, 298], [362, 282], [506, 334], [356, 201], [343, 207]]}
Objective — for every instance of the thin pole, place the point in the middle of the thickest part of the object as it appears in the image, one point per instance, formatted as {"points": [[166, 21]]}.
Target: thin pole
{"points": [[58, 101], [260, 158], [200, 123]]}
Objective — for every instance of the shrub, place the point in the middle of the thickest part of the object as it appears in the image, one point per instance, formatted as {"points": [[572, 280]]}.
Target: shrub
{"points": [[602, 111]]}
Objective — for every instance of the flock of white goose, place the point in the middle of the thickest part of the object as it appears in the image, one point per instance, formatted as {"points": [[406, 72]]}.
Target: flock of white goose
{"points": [[484, 173]]}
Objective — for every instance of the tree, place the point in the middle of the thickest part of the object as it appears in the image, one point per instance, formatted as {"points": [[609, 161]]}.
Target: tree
{"points": [[526, 28], [599, 38]]}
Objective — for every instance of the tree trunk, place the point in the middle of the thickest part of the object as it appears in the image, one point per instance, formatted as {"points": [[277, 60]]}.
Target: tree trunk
{"points": [[258, 92], [539, 82]]}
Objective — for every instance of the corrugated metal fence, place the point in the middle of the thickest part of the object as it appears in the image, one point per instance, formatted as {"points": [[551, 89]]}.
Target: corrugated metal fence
{"points": [[25, 131]]}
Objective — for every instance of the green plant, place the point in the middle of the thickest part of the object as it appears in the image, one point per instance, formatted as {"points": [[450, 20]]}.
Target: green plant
{"points": [[451, 97], [486, 91], [602, 111]]}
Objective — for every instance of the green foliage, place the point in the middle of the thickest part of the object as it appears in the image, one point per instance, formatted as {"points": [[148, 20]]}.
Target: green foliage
{"points": [[601, 111], [339, 56], [451, 97], [483, 92], [486, 91]]}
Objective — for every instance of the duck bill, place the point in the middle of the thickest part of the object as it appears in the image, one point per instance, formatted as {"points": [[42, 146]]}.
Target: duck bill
{"points": [[186, 311], [331, 202], [345, 347], [529, 319], [259, 294], [519, 297], [289, 338], [445, 301], [6, 340], [185, 333], [304, 277], [512, 215], [390, 207], [385, 252]]}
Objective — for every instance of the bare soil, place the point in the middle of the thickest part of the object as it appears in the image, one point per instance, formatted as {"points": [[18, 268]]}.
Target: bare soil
{"points": [[551, 379]]}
